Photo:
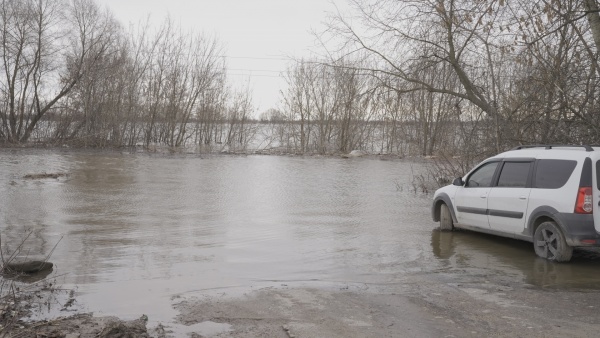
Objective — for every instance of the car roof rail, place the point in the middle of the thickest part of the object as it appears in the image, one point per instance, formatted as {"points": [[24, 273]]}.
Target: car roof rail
{"points": [[550, 146]]}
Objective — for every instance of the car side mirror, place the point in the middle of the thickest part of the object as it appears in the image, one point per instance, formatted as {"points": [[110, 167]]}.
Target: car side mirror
{"points": [[458, 181]]}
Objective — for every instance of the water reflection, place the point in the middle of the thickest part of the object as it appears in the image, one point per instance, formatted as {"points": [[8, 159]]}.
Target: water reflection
{"points": [[466, 249], [31, 278]]}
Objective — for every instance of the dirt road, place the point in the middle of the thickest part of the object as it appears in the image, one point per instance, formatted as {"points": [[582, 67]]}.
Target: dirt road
{"points": [[417, 306], [427, 305]]}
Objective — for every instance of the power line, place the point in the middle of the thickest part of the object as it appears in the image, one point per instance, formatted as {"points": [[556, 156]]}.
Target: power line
{"points": [[254, 70], [203, 55], [255, 75], [255, 58]]}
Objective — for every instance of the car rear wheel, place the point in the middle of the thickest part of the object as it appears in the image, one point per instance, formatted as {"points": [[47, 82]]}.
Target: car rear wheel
{"points": [[549, 243], [446, 222]]}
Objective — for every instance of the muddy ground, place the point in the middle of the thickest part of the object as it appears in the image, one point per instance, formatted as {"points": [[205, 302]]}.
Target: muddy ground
{"points": [[428, 305]]}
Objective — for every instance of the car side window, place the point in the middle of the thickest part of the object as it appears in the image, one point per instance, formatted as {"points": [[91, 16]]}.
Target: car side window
{"points": [[553, 174], [514, 174], [598, 174], [483, 176]]}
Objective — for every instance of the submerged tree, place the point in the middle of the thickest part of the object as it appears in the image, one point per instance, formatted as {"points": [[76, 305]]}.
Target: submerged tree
{"points": [[47, 47], [521, 71]]}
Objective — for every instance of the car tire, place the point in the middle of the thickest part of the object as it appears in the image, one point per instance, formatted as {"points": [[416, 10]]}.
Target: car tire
{"points": [[549, 243], [443, 243], [446, 222]]}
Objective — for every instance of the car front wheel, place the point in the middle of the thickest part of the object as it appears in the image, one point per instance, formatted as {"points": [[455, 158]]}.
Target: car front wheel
{"points": [[549, 243], [446, 222]]}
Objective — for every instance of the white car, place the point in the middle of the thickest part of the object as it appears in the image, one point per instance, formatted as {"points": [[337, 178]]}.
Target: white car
{"points": [[541, 193]]}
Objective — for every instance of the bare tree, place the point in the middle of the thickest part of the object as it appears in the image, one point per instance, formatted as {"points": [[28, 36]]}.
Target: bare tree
{"points": [[239, 130], [406, 39], [47, 47], [298, 100]]}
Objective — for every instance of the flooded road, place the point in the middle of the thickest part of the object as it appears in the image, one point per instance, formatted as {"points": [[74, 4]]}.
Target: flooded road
{"points": [[135, 233]]}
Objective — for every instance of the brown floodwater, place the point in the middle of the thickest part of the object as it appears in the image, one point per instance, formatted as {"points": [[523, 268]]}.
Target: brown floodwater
{"points": [[134, 233]]}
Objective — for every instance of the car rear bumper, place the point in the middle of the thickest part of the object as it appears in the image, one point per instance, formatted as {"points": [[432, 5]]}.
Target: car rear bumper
{"points": [[578, 229]]}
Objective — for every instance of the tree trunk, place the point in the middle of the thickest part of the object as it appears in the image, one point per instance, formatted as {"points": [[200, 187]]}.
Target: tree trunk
{"points": [[594, 19]]}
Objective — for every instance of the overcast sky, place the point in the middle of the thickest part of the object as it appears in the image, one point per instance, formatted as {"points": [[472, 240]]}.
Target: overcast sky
{"points": [[258, 35]]}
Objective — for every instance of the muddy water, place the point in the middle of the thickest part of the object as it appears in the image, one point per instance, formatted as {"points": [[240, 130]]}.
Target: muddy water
{"points": [[135, 233]]}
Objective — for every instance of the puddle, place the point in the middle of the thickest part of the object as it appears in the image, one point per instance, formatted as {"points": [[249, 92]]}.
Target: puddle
{"points": [[204, 329]]}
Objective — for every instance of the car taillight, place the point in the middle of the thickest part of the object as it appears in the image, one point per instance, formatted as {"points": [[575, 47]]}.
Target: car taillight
{"points": [[584, 201]]}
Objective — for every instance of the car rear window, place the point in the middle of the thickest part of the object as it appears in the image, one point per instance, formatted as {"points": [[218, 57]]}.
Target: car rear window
{"points": [[553, 174]]}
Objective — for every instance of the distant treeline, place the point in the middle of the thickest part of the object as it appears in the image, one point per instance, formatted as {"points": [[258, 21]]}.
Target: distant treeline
{"points": [[459, 78]]}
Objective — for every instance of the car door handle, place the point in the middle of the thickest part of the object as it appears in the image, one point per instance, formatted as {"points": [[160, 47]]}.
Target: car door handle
{"points": [[522, 197], [483, 196]]}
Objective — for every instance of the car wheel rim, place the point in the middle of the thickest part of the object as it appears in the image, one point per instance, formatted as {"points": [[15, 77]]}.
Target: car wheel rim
{"points": [[548, 244]]}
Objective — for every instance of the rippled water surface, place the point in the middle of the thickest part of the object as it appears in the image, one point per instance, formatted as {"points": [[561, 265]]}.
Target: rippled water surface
{"points": [[137, 231]]}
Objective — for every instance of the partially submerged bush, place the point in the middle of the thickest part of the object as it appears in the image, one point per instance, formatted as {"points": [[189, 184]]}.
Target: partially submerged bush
{"points": [[44, 175], [441, 170], [16, 296]]}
